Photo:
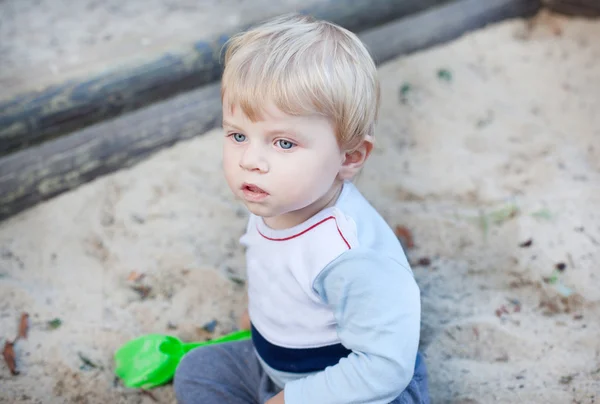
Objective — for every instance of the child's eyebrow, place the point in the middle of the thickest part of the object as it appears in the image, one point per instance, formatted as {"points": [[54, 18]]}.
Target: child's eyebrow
{"points": [[283, 131], [225, 123]]}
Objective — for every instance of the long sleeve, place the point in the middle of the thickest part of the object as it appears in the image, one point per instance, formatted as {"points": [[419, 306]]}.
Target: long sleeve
{"points": [[376, 304]]}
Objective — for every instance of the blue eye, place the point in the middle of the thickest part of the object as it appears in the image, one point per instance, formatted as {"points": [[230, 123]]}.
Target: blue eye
{"points": [[238, 137], [285, 144]]}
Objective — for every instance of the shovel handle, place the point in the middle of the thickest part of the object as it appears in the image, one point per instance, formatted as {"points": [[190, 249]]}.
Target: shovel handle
{"points": [[241, 335]]}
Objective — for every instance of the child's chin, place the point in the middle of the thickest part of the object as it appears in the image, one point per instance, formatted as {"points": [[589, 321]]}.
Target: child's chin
{"points": [[259, 210]]}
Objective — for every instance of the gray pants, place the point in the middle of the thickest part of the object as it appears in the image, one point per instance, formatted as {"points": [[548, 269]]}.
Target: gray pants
{"points": [[231, 374]]}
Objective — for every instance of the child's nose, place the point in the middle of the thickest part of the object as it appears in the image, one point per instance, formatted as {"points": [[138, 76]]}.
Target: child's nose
{"points": [[254, 160]]}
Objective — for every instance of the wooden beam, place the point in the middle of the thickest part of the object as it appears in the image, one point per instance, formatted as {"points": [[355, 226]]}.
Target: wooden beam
{"points": [[41, 172], [582, 8], [441, 24], [32, 118]]}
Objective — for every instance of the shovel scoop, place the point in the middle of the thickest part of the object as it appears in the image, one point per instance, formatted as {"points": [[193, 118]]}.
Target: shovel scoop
{"points": [[151, 360]]}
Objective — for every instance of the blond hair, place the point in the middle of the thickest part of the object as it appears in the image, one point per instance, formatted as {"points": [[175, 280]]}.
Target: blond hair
{"points": [[304, 66]]}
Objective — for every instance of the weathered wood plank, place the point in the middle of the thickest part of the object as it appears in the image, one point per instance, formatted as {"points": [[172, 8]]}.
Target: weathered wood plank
{"points": [[584, 8], [41, 172], [36, 117], [441, 24]]}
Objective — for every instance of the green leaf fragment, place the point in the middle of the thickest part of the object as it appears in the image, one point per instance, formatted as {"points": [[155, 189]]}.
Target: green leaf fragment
{"points": [[542, 214], [444, 74], [484, 223], [503, 214], [496, 217], [405, 89], [55, 323]]}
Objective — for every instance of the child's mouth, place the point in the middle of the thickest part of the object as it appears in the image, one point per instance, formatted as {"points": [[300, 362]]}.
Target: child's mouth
{"points": [[253, 193]]}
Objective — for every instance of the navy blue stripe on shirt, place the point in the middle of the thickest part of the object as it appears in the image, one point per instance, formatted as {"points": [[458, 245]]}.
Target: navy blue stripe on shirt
{"points": [[297, 360]]}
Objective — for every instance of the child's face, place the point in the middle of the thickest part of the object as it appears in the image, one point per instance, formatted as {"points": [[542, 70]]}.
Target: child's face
{"points": [[282, 167]]}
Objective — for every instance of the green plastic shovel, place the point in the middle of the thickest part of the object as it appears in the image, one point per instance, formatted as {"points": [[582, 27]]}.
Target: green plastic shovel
{"points": [[151, 360]]}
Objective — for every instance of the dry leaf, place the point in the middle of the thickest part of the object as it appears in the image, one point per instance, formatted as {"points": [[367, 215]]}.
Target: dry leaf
{"points": [[24, 326], [143, 291], [9, 357], [502, 310], [135, 276], [405, 236]]}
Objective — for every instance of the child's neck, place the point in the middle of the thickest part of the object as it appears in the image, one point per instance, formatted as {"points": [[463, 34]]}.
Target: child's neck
{"points": [[297, 217]]}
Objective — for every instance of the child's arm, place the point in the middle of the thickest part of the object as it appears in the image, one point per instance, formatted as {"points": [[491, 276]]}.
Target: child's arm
{"points": [[277, 399], [376, 304]]}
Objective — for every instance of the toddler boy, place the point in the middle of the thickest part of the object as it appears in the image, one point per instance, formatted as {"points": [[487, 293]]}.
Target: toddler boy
{"points": [[334, 309]]}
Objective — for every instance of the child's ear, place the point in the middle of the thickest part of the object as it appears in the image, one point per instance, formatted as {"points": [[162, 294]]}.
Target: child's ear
{"points": [[355, 158]]}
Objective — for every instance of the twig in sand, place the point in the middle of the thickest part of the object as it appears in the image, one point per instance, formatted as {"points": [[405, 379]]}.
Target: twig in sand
{"points": [[88, 362], [147, 393], [23, 326], [570, 258], [591, 238]]}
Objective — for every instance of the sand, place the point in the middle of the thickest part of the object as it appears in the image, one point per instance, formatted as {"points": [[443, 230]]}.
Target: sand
{"points": [[47, 42], [493, 164]]}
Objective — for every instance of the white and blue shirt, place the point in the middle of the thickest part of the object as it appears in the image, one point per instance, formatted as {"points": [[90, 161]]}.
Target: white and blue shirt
{"points": [[334, 306]]}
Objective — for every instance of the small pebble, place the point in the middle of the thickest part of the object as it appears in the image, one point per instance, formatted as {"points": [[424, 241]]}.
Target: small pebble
{"points": [[137, 218], [210, 326], [423, 262], [526, 244]]}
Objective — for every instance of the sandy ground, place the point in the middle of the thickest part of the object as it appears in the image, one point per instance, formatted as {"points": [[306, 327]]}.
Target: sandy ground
{"points": [[499, 148], [44, 42]]}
